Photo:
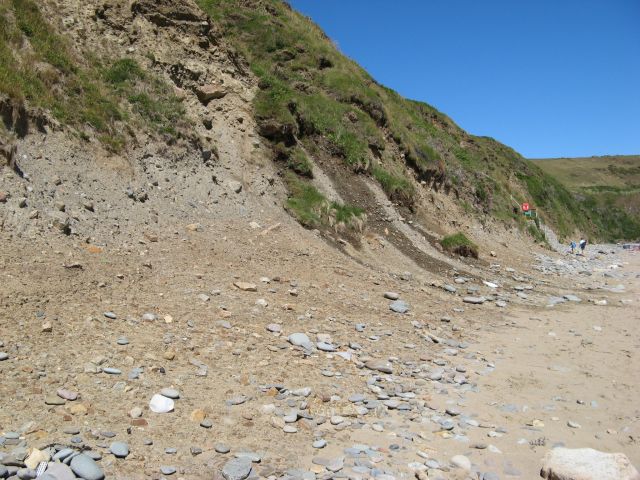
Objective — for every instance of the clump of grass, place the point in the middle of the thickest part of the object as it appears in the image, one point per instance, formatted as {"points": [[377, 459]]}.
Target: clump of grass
{"points": [[459, 244], [312, 209], [299, 163], [395, 186]]}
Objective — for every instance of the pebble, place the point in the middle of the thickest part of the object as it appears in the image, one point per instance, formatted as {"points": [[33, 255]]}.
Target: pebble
{"points": [[3, 356], [573, 424], [320, 443], [391, 295], [206, 423], [135, 412], [299, 339], [274, 328], [67, 394], [112, 371], [119, 449], [110, 315], [170, 393], [461, 461], [474, 300], [167, 470], [399, 307], [237, 469], [85, 467], [222, 448], [379, 365], [123, 341], [161, 404]]}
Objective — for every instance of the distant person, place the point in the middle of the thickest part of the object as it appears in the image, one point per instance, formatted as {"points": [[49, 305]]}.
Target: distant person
{"points": [[583, 244], [573, 246]]}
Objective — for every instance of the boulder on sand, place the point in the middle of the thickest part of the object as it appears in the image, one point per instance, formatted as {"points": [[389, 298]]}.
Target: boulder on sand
{"points": [[587, 464]]}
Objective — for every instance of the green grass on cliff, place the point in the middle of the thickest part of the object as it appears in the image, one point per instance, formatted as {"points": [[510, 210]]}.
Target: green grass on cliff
{"points": [[311, 93], [38, 67]]}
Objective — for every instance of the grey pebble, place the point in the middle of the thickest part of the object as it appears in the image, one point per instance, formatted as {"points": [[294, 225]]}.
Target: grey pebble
{"points": [[110, 315], [167, 470], [170, 393], [112, 371], [237, 469], [85, 467], [222, 448], [119, 449]]}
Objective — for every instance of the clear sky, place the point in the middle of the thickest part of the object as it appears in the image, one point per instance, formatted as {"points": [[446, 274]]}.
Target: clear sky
{"points": [[547, 77]]}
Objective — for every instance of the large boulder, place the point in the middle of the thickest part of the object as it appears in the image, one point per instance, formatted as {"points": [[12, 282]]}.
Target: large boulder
{"points": [[587, 464]]}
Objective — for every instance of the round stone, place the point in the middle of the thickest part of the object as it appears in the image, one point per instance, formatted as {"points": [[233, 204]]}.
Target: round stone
{"points": [[289, 429], [222, 448], [206, 423], [4, 356], [110, 315], [161, 404], [123, 341], [298, 339], [274, 328], [85, 467], [237, 469], [170, 393], [112, 371], [461, 461], [167, 470], [119, 449], [320, 443]]}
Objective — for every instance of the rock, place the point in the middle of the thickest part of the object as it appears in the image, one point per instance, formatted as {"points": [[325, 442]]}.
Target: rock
{"points": [[149, 317], [170, 393], [206, 93], [474, 300], [161, 404], [61, 222], [391, 295], [110, 315], [198, 415], [320, 443], [461, 461], [379, 365], [206, 423], [135, 412], [326, 347], [167, 470], [572, 298], [85, 467], [234, 186], [67, 394], [237, 469], [246, 287], [299, 339], [112, 371], [222, 448], [587, 464], [35, 457], [58, 471], [46, 327], [4, 356], [119, 449], [399, 307], [274, 328]]}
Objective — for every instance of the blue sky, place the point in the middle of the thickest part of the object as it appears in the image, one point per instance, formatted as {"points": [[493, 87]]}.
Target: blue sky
{"points": [[547, 77]]}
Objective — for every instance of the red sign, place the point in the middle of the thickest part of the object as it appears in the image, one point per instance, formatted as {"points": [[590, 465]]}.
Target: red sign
{"points": [[525, 207]]}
